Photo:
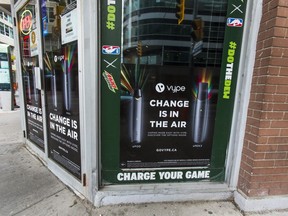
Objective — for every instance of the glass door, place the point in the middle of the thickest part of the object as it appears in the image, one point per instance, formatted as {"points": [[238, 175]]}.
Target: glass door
{"points": [[48, 40], [31, 75], [60, 59]]}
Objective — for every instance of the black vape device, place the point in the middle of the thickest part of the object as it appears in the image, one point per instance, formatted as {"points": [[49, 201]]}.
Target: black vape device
{"points": [[201, 114], [35, 92], [137, 116], [67, 86], [54, 89]]}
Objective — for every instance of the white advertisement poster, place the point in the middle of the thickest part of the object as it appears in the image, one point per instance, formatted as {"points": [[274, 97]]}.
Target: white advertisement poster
{"points": [[68, 27], [4, 76]]}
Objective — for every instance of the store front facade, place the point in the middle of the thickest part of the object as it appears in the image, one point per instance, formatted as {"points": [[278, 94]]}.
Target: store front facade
{"points": [[127, 98]]}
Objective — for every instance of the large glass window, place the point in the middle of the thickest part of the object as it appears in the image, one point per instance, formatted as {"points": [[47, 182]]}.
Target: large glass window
{"points": [[60, 54], [166, 89], [189, 69]]}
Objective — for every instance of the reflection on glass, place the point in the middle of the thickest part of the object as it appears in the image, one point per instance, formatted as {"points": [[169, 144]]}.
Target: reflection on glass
{"points": [[29, 62], [60, 59], [59, 36], [155, 24], [171, 51]]}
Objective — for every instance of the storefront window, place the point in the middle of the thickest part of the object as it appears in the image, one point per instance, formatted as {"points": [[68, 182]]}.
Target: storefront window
{"points": [[60, 54], [166, 123], [162, 88]]}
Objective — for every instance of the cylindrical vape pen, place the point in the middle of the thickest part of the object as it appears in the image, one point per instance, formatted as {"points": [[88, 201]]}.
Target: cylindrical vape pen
{"points": [[67, 86], [201, 114], [35, 92], [137, 117], [28, 88], [54, 89]]}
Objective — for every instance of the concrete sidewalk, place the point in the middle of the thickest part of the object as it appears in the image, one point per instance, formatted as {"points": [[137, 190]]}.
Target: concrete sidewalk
{"points": [[27, 187]]}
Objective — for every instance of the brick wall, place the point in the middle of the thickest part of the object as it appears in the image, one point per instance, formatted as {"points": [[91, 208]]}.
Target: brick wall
{"points": [[264, 166]]}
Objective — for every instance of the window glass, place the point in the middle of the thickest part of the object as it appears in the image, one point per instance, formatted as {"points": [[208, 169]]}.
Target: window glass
{"points": [[5, 16], [7, 33], [169, 60], [2, 28], [30, 71], [10, 19], [60, 54], [11, 32], [167, 93]]}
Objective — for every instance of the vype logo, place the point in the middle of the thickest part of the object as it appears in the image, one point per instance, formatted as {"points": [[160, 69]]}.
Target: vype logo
{"points": [[58, 58], [160, 87]]}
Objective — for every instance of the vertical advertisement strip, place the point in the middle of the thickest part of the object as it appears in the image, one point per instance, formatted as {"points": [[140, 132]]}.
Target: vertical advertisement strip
{"points": [[59, 35], [30, 72], [110, 86], [235, 23]]}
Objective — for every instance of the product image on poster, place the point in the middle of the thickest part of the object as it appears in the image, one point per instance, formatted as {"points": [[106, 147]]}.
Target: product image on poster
{"points": [[170, 73], [29, 67], [62, 91]]}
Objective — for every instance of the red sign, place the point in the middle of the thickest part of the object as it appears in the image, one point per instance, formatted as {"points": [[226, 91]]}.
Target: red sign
{"points": [[26, 22]]}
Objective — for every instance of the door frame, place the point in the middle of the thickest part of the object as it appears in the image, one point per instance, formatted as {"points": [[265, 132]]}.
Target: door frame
{"points": [[78, 186]]}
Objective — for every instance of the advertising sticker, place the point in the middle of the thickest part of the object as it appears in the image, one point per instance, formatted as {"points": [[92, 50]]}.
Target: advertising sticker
{"points": [[69, 26]]}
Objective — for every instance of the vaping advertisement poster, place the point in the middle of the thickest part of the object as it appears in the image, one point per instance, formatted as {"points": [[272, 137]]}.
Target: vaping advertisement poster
{"points": [[30, 66], [165, 83], [167, 116], [62, 95]]}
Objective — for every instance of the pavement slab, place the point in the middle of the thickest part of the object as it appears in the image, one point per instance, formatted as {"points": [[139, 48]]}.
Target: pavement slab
{"points": [[24, 179], [61, 203], [225, 208]]}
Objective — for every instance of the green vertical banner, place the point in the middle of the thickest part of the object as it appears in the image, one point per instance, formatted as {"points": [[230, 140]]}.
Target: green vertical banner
{"points": [[111, 27], [168, 81], [235, 23]]}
